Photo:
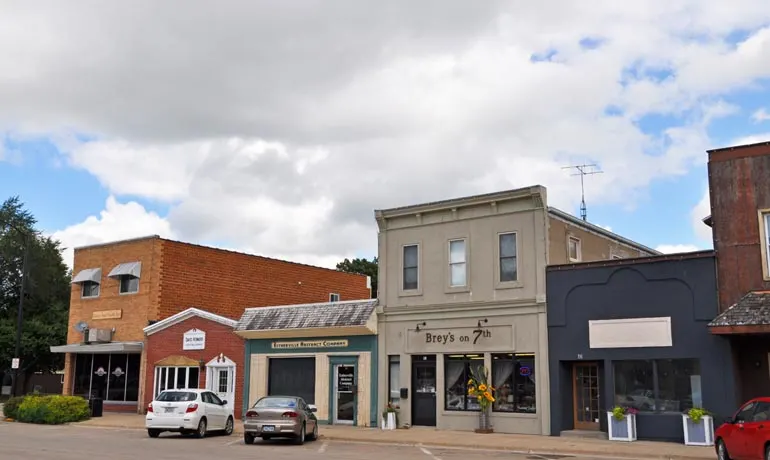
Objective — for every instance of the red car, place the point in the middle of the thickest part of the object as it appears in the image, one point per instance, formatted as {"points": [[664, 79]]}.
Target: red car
{"points": [[746, 435]]}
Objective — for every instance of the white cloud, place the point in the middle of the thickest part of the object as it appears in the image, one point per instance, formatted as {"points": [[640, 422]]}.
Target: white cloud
{"points": [[677, 248], [284, 143], [760, 115], [118, 221]]}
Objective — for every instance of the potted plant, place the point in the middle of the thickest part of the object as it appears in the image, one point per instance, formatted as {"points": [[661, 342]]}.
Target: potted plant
{"points": [[622, 423], [390, 417], [698, 427], [479, 388]]}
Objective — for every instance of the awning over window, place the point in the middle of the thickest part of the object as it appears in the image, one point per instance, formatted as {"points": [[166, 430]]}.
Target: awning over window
{"points": [[129, 268], [750, 315], [93, 275], [100, 348]]}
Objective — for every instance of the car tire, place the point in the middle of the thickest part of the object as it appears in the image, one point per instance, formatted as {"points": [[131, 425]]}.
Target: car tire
{"points": [[314, 435], [201, 431], [153, 433], [722, 453], [300, 439], [229, 426], [767, 452], [248, 438]]}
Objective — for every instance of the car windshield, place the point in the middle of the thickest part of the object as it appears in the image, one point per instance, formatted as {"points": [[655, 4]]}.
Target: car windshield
{"points": [[177, 396], [268, 403]]}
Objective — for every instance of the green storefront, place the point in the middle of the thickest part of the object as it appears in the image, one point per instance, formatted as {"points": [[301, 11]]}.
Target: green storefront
{"points": [[326, 353]]}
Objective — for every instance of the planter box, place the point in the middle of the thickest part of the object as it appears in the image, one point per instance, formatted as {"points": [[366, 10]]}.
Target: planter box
{"points": [[698, 434], [622, 430], [389, 422]]}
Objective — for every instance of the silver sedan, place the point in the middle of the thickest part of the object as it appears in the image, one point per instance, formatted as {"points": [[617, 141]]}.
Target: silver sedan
{"points": [[281, 417]]}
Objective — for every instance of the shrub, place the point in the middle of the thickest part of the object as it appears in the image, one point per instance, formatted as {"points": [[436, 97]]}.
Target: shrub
{"points": [[11, 407], [52, 410]]}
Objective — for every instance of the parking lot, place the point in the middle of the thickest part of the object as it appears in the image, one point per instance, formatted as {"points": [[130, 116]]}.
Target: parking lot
{"points": [[18, 441]]}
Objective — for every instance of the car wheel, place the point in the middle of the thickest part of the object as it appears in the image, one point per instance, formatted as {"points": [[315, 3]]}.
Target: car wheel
{"points": [[201, 431], [314, 435], [722, 453], [300, 439], [248, 438], [153, 433], [767, 453], [229, 426]]}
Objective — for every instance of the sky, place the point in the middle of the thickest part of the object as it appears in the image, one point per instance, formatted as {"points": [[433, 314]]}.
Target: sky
{"points": [[276, 128]]}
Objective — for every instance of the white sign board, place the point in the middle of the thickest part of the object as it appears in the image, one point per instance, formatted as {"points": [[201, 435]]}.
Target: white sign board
{"points": [[15, 363], [309, 344], [194, 339]]}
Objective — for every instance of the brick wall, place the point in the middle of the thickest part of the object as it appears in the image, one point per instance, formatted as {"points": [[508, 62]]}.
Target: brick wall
{"points": [[219, 339], [226, 282]]}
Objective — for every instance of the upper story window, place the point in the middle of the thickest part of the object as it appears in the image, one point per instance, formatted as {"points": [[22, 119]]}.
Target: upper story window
{"points": [[333, 297], [127, 275], [128, 284], [89, 289], [766, 243], [574, 249], [411, 266], [89, 280], [508, 257], [458, 270]]}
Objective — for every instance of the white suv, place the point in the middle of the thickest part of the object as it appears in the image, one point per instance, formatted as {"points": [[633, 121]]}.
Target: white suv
{"points": [[188, 411]]}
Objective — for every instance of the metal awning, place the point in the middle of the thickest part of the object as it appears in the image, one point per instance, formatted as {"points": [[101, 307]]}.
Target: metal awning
{"points": [[100, 348], [129, 268], [93, 275]]}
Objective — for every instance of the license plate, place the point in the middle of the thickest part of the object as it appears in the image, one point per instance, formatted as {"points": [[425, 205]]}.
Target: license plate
{"points": [[268, 428], [169, 409]]}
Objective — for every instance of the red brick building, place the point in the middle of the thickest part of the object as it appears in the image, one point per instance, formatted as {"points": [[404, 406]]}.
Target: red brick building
{"points": [[122, 287], [739, 184], [195, 349]]}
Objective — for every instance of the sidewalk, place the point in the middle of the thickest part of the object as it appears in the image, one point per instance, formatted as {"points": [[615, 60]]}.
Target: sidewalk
{"points": [[469, 440]]}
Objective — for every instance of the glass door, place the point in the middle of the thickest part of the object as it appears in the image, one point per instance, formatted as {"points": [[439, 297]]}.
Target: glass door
{"points": [[586, 396], [345, 394]]}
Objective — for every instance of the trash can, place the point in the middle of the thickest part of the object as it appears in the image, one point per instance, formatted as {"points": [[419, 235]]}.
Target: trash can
{"points": [[96, 406]]}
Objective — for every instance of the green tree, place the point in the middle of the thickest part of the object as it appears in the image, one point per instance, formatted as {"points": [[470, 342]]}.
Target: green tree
{"points": [[362, 267], [46, 297]]}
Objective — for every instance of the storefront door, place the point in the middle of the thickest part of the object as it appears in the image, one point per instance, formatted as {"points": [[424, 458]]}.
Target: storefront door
{"points": [[424, 390], [220, 379], [585, 395], [344, 394]]}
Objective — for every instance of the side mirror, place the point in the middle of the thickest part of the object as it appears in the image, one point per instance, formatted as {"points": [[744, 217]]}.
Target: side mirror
{"points": [[224, 402], [312, 408]]}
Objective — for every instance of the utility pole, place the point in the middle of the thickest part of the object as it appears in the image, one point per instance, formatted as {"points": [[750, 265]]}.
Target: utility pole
{"points": [[582, 171], [16, 365]]}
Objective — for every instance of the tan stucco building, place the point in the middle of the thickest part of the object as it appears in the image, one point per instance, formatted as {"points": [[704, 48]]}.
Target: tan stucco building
{"points": [[462, 283]]}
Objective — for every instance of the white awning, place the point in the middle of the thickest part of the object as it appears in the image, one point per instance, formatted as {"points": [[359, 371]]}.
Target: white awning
{"points": [[93, 275], [130, 268], [100, 348]]}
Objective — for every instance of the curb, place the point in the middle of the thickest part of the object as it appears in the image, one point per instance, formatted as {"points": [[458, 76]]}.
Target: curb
{"points": [[470, 446]]}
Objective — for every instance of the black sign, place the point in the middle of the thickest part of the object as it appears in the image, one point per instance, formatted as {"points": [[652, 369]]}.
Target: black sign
{"points": [[450, 337], [345, 379]]}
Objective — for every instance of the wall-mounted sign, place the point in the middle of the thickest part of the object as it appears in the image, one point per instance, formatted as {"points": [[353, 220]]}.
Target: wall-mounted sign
{"points": [[525, 371], [460, 339], [194, 339], [107, 314], [309, 344]]}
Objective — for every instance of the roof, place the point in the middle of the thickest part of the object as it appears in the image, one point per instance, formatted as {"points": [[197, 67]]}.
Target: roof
{"points": [[752, 310], [185, 315], [634, 260], [601, 231], [737, 147], [350, 313]]}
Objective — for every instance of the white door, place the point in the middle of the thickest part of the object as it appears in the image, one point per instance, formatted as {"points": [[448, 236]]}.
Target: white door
{"points": [[220, 379]]}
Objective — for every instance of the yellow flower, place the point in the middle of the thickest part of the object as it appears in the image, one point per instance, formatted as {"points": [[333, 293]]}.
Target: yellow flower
{"points": [[471, 390], [482, 387], [470, 382], [489, 397], [479, 398]]}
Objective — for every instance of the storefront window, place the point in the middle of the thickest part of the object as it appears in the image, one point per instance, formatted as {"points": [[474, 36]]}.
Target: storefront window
{"points": [[394, 379], [457, 372], [112, 377], [513, 376], [175, 378], [664, 385]]}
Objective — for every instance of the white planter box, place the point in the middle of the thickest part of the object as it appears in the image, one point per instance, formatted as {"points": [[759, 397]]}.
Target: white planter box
{"points": [[621, 430], [698, 434], [389, 422]]}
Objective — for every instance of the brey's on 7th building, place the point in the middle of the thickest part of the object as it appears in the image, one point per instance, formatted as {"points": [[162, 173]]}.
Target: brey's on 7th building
{"points": [[121, 288]]}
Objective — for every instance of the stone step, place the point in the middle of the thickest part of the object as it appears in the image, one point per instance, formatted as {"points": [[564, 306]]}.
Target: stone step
{"points": [[584, 434]]}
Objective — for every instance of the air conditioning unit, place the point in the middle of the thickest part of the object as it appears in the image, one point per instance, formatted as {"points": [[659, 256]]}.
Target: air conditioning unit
{"points": [[99, 335]]}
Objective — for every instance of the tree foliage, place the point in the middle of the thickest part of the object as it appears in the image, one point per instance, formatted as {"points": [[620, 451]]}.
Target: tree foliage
{"points": [[361, 267], [47, 291]]}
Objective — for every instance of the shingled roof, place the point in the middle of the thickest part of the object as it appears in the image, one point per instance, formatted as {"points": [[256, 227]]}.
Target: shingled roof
{"points": [[349, 313], [752, 310]]}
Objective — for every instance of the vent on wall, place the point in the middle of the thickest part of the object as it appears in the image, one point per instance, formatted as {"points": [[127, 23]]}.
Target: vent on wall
{"points": [[98, 335]]}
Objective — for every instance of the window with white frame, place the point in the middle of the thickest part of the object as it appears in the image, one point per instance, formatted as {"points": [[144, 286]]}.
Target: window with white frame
{"points": [[128, 284], [766, 223], [334, 297], [89, 289], [411, 267], [175, 378], [574, 249], [458, 271], [508, 257]]}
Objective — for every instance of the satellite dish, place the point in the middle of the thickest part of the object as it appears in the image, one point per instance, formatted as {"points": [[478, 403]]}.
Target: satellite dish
{"points": [[81, 326]]}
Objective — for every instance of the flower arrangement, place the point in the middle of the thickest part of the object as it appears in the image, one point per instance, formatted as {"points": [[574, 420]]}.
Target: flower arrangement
{"points": [[619, 412], [696, 414], [479, 387]]}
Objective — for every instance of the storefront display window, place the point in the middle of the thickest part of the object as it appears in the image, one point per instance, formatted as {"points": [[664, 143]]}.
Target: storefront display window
{"points": [[112, 377], [394, 379], [513, 376], [663, 385], [457, 372], [175, 378]]}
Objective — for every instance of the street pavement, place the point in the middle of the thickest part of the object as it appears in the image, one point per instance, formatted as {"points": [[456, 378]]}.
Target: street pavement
{"points": [[72, 442]]}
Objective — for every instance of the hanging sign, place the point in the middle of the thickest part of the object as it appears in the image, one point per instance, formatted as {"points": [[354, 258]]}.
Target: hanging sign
{"points": [[194, 339], [525, 371]]}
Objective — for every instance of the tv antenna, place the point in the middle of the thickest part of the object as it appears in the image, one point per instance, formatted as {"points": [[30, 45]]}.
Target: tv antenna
{"points": [[582, 171]]}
